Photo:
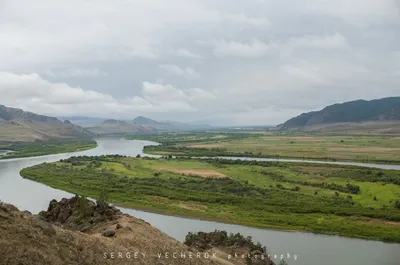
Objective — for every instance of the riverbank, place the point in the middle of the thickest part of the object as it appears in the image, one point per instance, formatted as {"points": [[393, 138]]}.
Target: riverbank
{"points": [[340, 200], [20, 150], [365, 149]]}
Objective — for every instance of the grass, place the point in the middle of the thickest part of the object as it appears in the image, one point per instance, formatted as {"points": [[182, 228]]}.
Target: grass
{"points": [[304, 197], [378, 149], [45, 148]]}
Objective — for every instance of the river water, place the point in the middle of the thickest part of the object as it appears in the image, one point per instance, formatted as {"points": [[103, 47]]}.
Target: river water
{"points": [[310, 249]]}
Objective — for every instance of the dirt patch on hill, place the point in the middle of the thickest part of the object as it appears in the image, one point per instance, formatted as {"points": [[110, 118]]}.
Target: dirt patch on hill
{"points": [[205, 173], [192, 206], [380, 222]]}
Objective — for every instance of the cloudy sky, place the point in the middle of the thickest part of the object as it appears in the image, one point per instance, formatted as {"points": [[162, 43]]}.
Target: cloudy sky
{"points": [[226, 61]]}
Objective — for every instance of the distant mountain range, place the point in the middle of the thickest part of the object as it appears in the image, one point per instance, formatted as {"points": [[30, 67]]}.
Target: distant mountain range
{"points": [[139, 125], [169, 125], [140, 120], [118, 127], [17, 125], [385, 109], [83, 121]]}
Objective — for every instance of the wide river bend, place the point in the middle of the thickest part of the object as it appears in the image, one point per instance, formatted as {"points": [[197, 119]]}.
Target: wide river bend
{"points": [[311, 249]]}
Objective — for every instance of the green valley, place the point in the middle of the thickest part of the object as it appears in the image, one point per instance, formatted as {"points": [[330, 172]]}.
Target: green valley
{"points": [[330, 199], [301, 145]]}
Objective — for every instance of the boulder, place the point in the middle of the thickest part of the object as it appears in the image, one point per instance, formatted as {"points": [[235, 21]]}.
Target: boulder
{"points": [[109, 233], [80, 213], [109, 212]]}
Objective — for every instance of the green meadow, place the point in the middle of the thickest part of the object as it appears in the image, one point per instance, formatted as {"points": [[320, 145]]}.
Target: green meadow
{"points": [[378, 149], [330, 199]]}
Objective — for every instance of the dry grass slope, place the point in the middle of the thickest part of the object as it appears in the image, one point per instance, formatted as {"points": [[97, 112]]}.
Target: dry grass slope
{"points": [[29, 240]]}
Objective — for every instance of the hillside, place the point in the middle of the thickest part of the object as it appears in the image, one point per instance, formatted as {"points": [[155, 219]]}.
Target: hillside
{"points": [[17, 125], [83, 121], [118, 127], [140, 120], [77, 231], [169, 125], [378, 110]]}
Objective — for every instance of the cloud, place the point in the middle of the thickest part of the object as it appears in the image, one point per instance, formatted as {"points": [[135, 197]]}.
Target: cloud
{"points": [[188, 73], [259, 60], [77, 72], [243, 19], [161, 94], [359, 11], [32, 92], [187, 54], [253, 49], [327, 42]]}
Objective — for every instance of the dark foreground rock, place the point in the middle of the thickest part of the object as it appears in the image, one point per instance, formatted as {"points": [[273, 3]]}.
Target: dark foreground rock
{"points": [[232, 243], [80, 213]]}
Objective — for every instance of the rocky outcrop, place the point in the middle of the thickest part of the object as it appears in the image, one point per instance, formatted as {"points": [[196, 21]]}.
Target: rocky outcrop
{"points": [[79, 213], [119, 239], [232, 243]]}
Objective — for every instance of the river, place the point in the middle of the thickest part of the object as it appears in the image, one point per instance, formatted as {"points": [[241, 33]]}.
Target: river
{"points": [[310, 249]]}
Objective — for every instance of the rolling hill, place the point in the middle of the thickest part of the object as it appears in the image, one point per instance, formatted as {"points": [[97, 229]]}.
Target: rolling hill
{"points": [[352, 113], [140, 120], [118, 127], [167, 126], [83, 121], [17, 125]]}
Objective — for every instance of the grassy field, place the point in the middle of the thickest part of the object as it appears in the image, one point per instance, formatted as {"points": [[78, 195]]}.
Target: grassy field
{"points": [[331, 199], [378, 149], [45, 148]]}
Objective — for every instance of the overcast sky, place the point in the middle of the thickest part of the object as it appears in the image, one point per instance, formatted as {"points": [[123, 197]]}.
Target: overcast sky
{"points": [[228, 61]]}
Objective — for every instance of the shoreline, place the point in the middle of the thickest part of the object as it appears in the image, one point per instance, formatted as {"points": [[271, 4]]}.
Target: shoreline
{"points": [[286, 160], [81, 149], [222, 221], [276, 158], [159, 211], [233, 222]]}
